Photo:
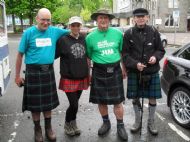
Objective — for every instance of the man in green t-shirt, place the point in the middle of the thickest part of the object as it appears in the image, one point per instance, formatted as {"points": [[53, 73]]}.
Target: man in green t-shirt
{"points": [[104, 45]]}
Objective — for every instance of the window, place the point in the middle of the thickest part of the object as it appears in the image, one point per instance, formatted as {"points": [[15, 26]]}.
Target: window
{"points": [[2, 26], [169, 22], [185, 54], [173, 3]]}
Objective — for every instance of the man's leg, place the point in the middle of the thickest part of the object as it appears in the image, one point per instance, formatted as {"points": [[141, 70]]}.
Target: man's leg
{"points": [[118, 111], [103, 109], [151, 124], [37, 128], [48, 128], [137, 109]]}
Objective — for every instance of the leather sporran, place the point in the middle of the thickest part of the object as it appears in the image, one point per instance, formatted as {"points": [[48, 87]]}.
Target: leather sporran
{"points": [[144, 80]]}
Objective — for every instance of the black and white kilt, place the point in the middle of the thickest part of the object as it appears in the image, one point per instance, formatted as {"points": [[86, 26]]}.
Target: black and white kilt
{"points": [[40, 93], [106, 88], [134, 90]]}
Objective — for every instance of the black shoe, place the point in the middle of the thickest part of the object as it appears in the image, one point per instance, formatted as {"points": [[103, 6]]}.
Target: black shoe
{"points": [[104, 128], [122, 132]]}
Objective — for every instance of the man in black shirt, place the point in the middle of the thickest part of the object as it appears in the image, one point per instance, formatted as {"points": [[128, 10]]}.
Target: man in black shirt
{"points": [[142, 51]]}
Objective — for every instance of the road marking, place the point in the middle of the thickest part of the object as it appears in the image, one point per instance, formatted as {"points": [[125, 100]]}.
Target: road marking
{"points": [[13, 135], [159, 116], [180, 133]]}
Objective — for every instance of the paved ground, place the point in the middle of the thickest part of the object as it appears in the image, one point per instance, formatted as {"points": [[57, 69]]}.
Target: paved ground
{"points": [[180, 38]]}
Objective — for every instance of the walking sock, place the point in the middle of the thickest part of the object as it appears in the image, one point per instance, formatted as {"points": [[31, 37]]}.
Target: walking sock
{"points": [[47, 122], [152, 110], [37, 124], [105, 118], [119, 122]]}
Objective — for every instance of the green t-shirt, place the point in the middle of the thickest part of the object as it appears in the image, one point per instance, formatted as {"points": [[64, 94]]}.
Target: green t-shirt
{"points": [[104, 46]]}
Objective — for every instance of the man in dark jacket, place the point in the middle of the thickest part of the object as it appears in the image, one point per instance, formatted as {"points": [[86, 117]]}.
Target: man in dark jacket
{"points": [[142, 51]]}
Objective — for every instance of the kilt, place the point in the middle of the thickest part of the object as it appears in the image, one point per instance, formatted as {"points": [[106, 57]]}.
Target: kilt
{"points": [[106, 88], [40, 92], [73, 85], [134, 90]]}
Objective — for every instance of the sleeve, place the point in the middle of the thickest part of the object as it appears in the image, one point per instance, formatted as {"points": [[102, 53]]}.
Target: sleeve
{"points": [[62, 32], [128, 60], [88, 47], [160, 51], [23, 43]]}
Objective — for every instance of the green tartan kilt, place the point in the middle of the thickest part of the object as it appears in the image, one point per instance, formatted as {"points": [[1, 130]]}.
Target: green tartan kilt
{"points": [[106, 88], [134, 90], [40, 93]]}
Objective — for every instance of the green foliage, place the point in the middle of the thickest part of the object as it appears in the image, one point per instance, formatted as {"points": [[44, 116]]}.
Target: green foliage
{"points": [[85, 14], [61, 10]]}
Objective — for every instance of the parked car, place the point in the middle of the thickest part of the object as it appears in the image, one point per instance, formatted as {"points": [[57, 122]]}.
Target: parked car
{"points": [[163, 40], [175, 82]]}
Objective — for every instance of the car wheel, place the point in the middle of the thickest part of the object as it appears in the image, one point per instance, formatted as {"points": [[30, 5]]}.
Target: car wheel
{"points": [[180, 106], [164, 43]]}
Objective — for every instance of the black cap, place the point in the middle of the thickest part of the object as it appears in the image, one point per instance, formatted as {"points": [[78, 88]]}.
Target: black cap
{"points": [[140, 12]]}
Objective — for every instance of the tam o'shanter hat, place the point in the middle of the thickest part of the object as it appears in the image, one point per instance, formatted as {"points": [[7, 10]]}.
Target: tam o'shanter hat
{"points": [[75, 19], [140, 12], [102, 12]]}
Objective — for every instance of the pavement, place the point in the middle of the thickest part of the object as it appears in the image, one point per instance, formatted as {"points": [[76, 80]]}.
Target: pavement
{"points": [[180, 38]]}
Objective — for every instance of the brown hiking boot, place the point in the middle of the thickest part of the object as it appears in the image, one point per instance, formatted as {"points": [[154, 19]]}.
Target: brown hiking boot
{"points": [[69, 129], [75, 127], [38, 134], [50, 134]]}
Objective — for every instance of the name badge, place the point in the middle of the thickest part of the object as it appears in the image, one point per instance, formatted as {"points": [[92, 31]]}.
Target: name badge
{"points": [[42, 42]]}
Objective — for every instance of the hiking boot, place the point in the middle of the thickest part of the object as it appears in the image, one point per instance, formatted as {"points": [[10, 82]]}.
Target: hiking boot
{"points": [[104, 128], [122, 132], [75, 128], [137, 109], [50, 134], [136, 126], [38, 134], [69, 129], [151, 127]]}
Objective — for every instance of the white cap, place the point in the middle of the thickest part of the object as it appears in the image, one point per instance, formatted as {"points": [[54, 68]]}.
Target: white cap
{"points": [[75, 19]]}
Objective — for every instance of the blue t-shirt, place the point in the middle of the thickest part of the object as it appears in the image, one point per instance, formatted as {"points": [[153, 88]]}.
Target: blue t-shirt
{"points": [[39, 46]]}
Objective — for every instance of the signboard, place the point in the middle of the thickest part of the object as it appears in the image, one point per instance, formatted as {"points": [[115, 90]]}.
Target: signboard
{"points": [[158, 21], [176, 14]]}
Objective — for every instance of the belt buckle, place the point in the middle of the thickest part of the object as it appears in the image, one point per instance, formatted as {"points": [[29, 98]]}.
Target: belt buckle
{"points": [[110, 69], [44, 67]]}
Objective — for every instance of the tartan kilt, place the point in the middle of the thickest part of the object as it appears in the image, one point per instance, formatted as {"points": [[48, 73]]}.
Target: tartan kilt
{"points": [[73, 85], [106, 88], [134, 90], [40, 92]]}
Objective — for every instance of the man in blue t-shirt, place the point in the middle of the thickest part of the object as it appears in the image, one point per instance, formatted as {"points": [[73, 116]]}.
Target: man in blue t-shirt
{"points": [[38, 45]]}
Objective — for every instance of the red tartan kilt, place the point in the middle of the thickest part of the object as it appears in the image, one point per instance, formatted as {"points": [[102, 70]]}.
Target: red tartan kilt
{"points": [[71, 85]]}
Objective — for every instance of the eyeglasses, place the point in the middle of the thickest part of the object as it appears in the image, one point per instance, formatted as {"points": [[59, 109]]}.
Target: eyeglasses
{"points": [[46, 20]]}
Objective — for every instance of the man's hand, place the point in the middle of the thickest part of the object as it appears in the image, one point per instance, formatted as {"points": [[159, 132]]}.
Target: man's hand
{"points": [[19, 81], [152, 60], [140, 66]]}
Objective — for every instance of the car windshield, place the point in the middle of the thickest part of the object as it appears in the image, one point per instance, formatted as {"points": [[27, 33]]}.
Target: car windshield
{"points": [[175, 53]]}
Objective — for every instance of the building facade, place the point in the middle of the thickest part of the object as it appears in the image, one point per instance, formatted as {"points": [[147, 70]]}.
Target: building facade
{"points": [[166, 15]]}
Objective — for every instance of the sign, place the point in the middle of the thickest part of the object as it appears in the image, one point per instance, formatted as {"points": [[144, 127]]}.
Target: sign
{"points": [[158, 21], [176, 14]]}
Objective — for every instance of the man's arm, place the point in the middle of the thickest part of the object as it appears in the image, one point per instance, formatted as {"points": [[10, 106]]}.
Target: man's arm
{"points": [[18, 79]]}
